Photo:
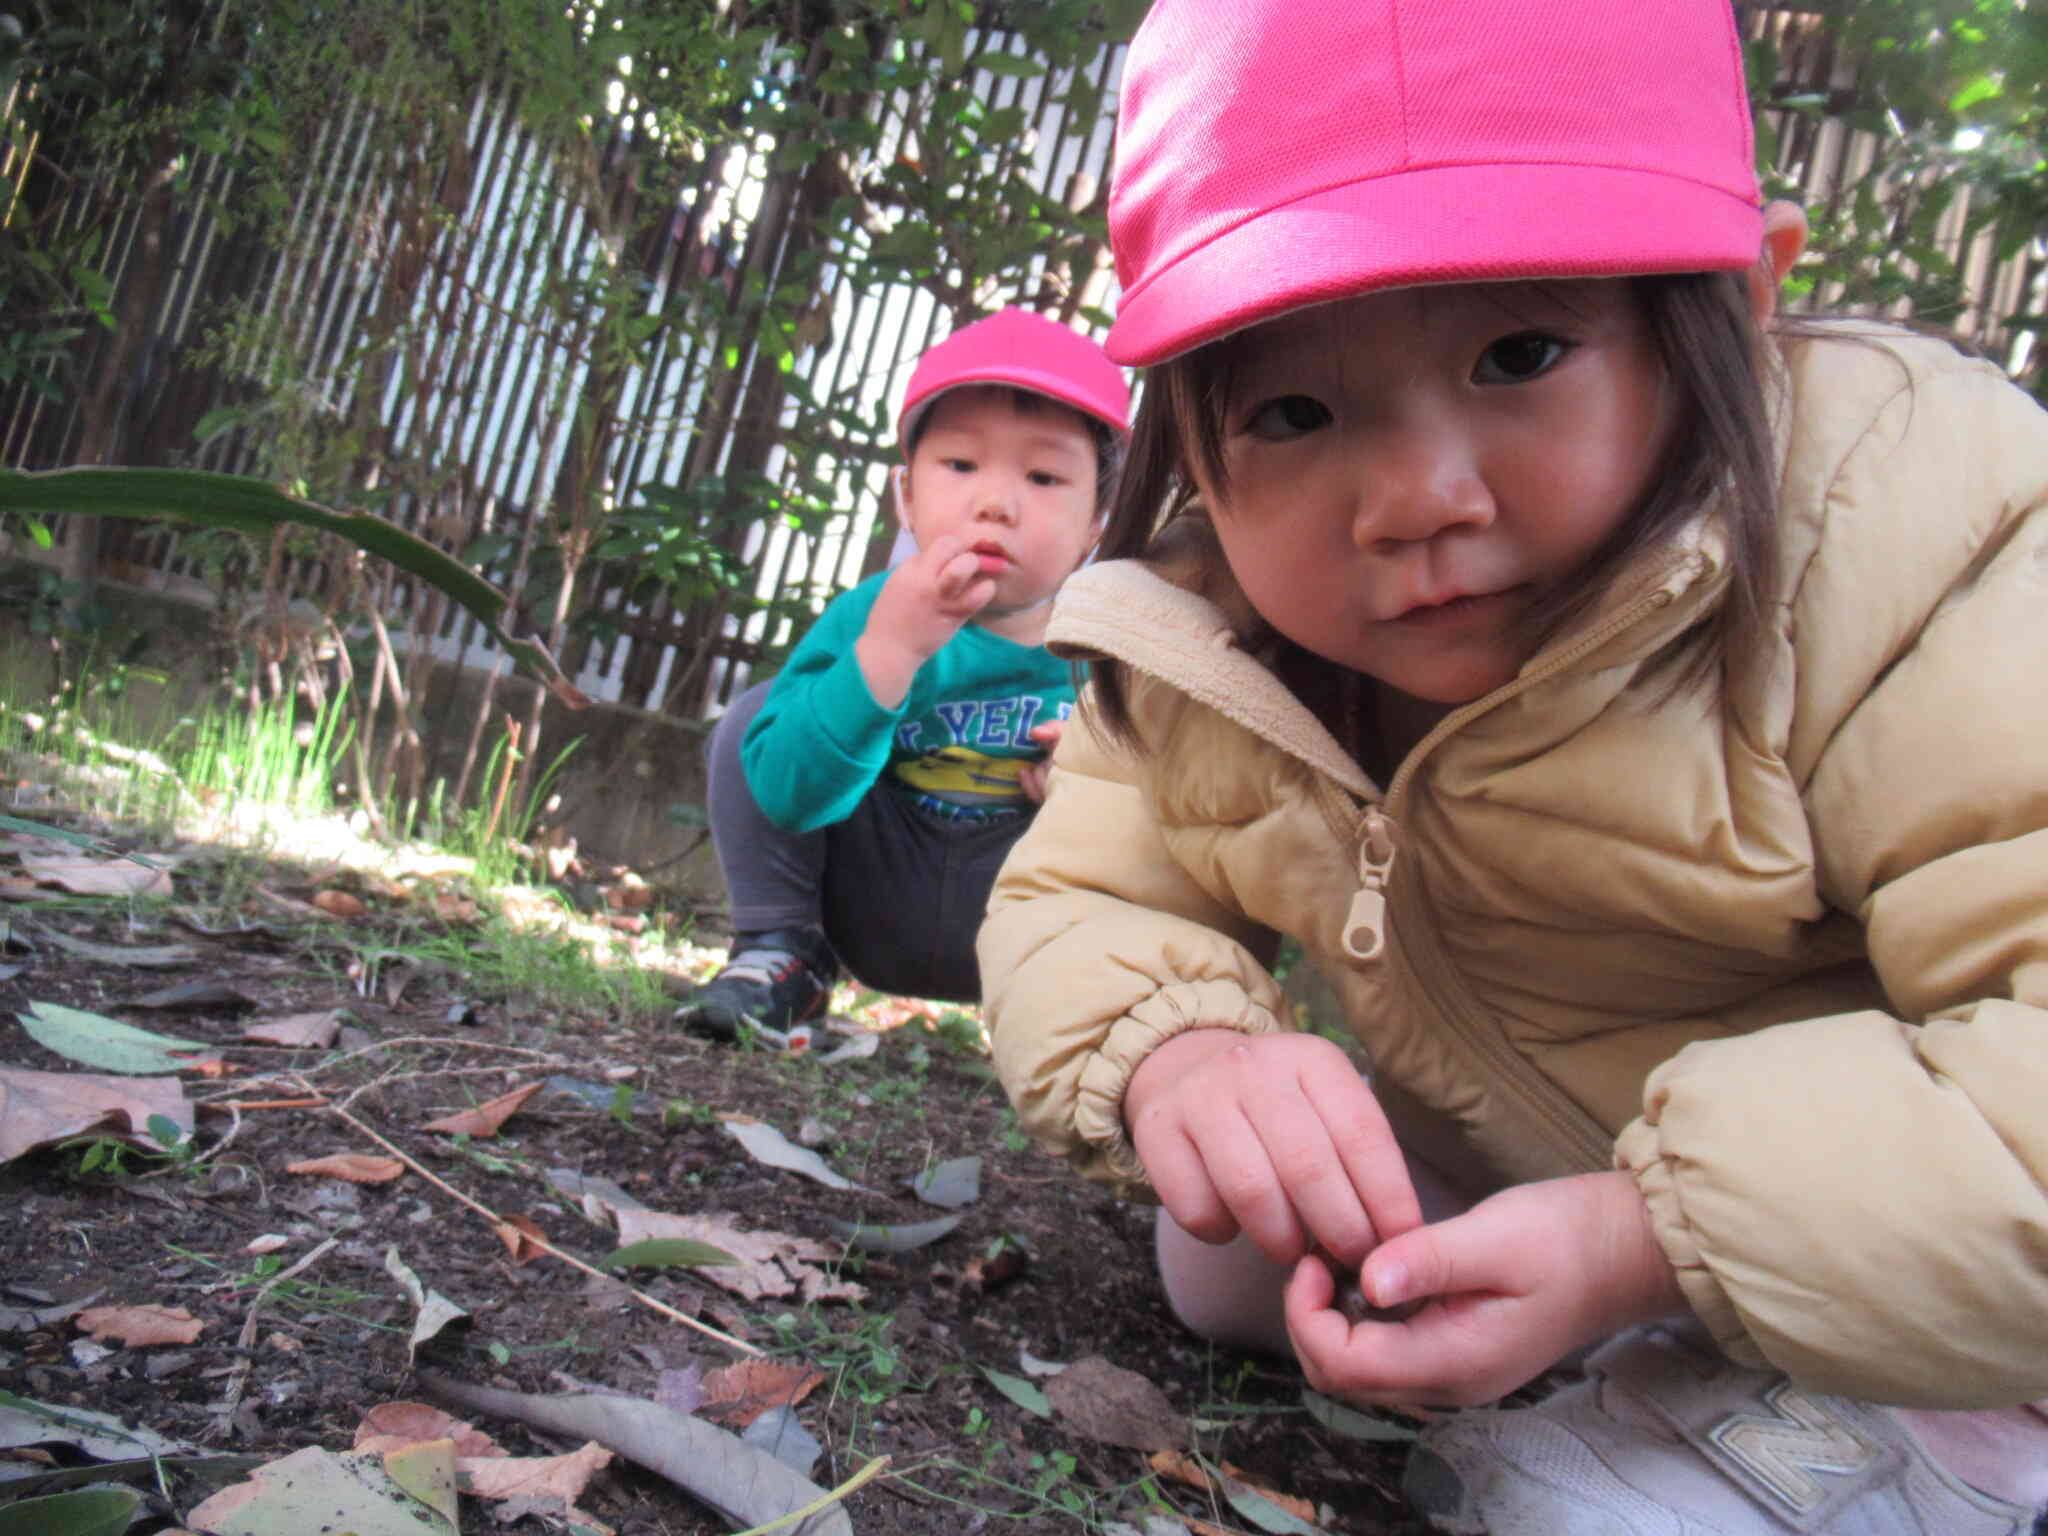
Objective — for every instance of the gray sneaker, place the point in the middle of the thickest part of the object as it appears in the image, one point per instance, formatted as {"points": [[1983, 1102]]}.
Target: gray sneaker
{"points": [[1665, 1437]]}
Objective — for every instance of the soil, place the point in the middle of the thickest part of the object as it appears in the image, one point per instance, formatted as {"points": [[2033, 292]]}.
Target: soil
{"points": [[903, 1369]]}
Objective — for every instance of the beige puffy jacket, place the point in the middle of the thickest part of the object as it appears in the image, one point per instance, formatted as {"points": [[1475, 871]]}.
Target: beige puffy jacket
{"points": [[1783, 954]]}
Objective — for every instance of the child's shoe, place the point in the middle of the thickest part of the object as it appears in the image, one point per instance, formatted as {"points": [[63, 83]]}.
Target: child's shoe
{"points": [[1665, 1437], [770, 981]]}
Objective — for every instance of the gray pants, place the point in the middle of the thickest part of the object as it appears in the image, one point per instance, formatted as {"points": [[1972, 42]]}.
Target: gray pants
{"points": [[900, 894]]}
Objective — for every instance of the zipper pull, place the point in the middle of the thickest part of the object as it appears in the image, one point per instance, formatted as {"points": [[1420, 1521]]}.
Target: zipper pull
{"points": [[1365, 925]]}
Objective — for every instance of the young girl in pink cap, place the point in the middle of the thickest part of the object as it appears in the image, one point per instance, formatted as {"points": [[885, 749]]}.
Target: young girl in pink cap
{"points": [[1633, 703]]}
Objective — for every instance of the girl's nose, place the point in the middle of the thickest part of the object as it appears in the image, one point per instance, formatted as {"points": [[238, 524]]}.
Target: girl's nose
{"points": [[1415, 485]]}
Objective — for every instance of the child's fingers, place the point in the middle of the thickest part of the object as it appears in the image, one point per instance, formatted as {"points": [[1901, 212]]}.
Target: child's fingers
{"points": [[1476, 1251], [1374, 1168], [1180, 1177], [959, 575], [1314, 1201]]}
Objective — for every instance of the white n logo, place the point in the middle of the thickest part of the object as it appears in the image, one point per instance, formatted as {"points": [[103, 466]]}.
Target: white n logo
{"points": [[1783, 1453]]}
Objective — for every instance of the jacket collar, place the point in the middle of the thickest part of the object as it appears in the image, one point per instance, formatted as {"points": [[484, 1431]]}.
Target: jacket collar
{"points": [[1133, 612]]}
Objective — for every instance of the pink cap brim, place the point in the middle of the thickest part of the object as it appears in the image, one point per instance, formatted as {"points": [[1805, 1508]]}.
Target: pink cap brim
{"points": [[1503, 223]]}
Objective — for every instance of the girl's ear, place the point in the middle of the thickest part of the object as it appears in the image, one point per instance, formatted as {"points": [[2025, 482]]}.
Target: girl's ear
{"points": [[1784, 241]]}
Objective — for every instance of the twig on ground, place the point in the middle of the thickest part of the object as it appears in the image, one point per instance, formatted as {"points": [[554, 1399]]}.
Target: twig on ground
{"points": [[542, 1243], [245, 1345]]}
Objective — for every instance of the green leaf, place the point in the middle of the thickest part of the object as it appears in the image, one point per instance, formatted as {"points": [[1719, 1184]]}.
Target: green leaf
{"points": [[102, 1042], [1019, 1391], [666, 1253], [1264, 1513], [98, 1511], [1009, 66], [200, 498], [1341, 1420]]}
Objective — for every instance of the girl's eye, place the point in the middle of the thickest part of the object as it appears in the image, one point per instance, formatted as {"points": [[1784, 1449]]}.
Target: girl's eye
{"points": [[1518, 358], [959, 466], [1286, 417], [1046, 477]]}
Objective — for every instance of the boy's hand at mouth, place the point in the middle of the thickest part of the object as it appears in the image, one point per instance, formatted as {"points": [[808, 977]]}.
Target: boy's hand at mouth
{"points": [[922, 605]]}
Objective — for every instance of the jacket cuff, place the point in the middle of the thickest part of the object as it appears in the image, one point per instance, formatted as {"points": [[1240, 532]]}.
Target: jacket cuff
{"points": [[1171, 1011], [1638, 1153]]}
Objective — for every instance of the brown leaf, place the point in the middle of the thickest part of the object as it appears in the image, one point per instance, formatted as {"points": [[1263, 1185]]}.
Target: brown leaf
{"points": [[454, 907], [356, 1167], [84, 875], [1118, 1407], [631, 894], [740, 1393], [770, 1263], [484, 1119], [316, 1030], [517, 1233], [339, 903], [139, 1327], [390, 1426], [1183, 1468], [37, 1108], [508, 1477]]}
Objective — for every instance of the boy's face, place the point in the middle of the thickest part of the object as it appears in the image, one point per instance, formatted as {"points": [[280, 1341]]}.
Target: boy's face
{"points": [[1409, 472], [1016, 486]]}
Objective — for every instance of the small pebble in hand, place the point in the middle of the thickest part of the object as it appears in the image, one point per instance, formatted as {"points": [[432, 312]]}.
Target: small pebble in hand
{"points": [[1356, 1309]]}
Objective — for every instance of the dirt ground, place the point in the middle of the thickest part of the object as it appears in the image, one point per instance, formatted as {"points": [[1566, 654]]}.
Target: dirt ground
{"points": [[903, 1369]]}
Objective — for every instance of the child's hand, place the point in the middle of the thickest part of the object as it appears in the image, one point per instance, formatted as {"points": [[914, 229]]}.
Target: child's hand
{"points": [[1513, 1284], [1032, 776], [920, 607], [1276, 1136]]}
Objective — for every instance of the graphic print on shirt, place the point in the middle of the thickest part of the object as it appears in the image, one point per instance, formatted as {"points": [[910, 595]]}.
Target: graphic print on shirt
{"points": [[973, 775]]}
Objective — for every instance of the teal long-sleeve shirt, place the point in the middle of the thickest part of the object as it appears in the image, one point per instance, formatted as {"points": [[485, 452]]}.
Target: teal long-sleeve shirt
{"points": [[821, 741]]}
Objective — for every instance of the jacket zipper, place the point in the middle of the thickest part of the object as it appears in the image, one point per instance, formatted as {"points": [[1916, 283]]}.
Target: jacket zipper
{"points": [[1369, 922]]}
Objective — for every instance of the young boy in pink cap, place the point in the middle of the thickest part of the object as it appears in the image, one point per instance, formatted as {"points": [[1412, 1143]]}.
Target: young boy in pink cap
{"points": [[1633, 703], [862, 801]]}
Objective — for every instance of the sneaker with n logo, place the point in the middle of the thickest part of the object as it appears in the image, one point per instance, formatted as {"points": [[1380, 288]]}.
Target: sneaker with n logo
{"points": [[1665, 1437]]}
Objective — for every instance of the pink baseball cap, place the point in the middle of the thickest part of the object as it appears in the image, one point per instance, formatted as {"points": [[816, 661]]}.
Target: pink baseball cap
{"points": [[1015, 346], [1272, 154]]}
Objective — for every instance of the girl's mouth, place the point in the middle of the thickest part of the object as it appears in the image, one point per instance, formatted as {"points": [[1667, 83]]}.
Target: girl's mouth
{"points": [[1472, 608], [991, 559]]}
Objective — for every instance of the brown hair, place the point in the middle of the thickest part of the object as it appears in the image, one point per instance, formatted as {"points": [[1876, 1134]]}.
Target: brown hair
{"points": [[1707, 342], [1109, 443]]}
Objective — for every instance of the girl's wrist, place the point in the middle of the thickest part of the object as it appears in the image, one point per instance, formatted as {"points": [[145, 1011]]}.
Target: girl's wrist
{"points": [[1648, 1287]]}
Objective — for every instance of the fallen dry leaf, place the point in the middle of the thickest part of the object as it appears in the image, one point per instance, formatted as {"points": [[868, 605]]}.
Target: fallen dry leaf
{"points": [[315, 1030], [738, 1394], [140, 1327], [518, 1234], [356, 1167], [454, 907], [37, 1108], [339, 903], [629, 894], [507, 1477], [390, 1426], [84, 875], [771, 1263], [1105, 1402], [484, 1119], [1183, 1468]]}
